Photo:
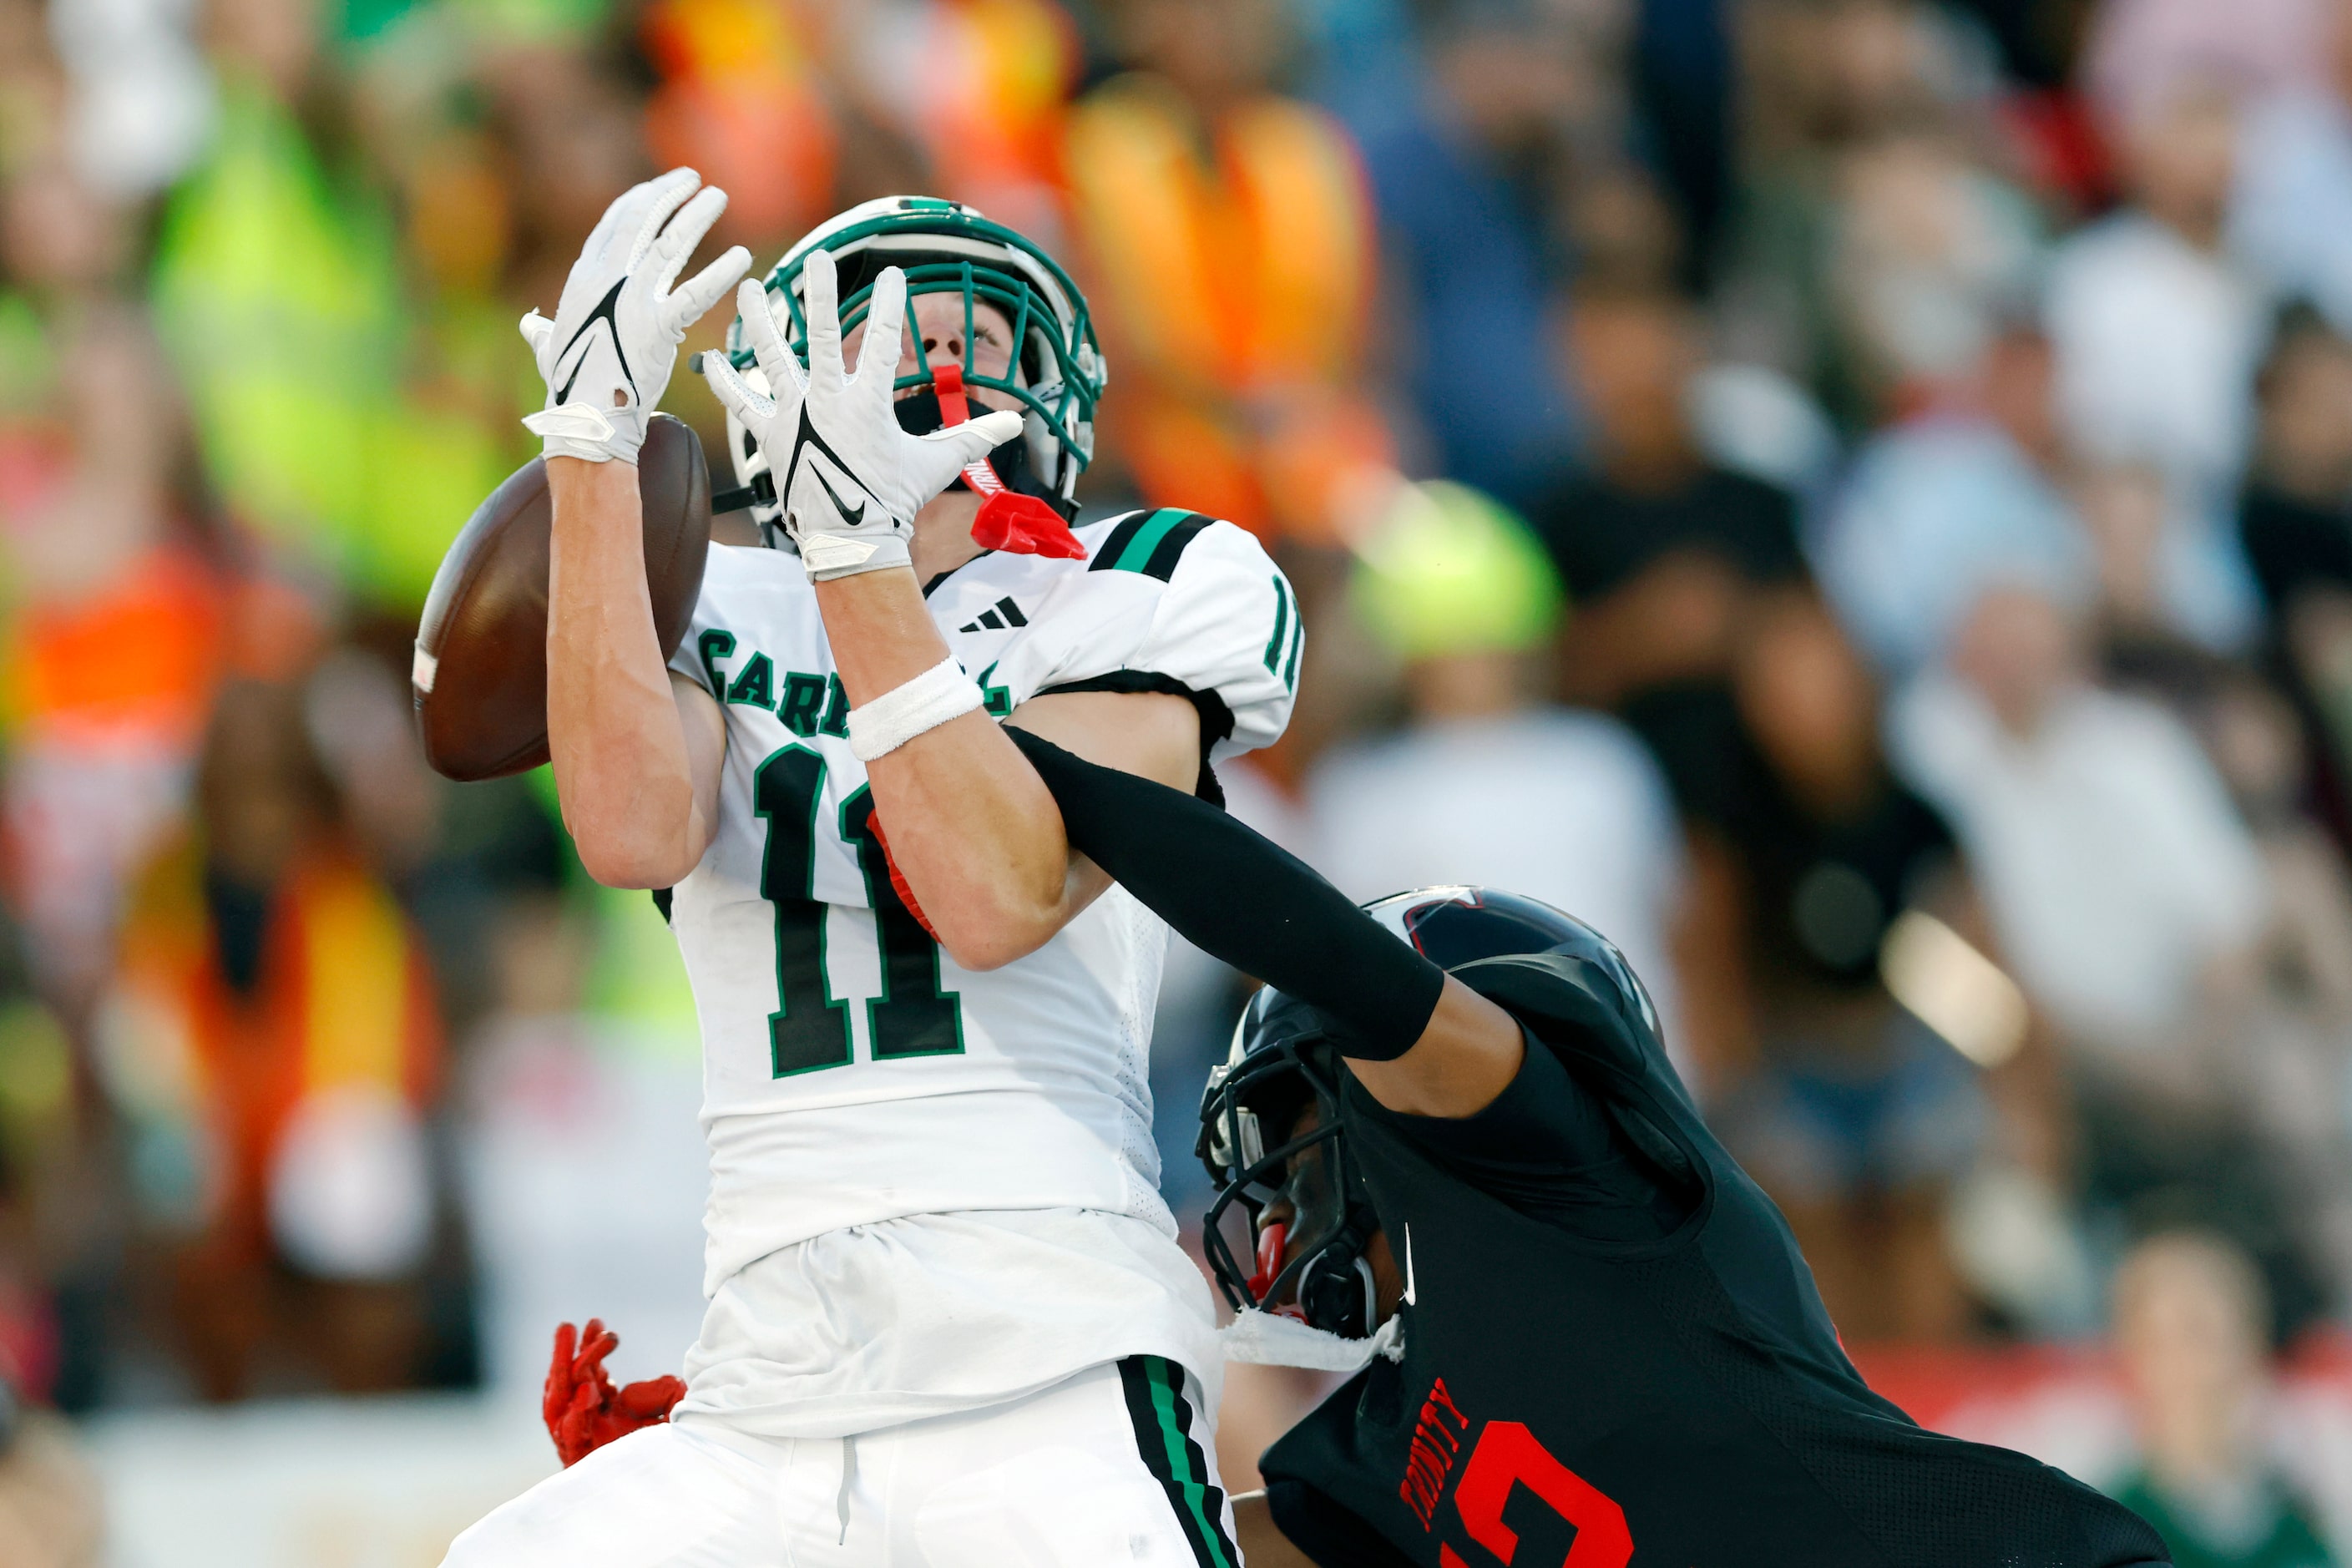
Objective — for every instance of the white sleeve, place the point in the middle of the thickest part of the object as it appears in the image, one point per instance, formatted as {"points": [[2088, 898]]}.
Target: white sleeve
{"points": [[702, 653], [749, 596], [1173, 600]]}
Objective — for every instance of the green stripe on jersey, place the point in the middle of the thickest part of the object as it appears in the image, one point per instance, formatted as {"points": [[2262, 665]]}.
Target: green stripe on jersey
{"points": [[1115, 544], [1138, 554], [1149, 544], [1281, 625]]}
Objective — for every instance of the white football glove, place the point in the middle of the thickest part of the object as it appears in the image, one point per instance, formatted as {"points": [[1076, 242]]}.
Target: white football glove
{"points": [[607, 357], [850, 480]]}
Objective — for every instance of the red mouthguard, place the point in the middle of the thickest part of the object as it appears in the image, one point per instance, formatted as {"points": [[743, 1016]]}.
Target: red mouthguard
{"points": [[1270, 1244], [1008, 521]]}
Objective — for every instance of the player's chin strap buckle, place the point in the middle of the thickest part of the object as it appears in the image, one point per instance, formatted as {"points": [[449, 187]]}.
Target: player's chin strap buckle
{"points": [[1008, 521], [761, 492]]}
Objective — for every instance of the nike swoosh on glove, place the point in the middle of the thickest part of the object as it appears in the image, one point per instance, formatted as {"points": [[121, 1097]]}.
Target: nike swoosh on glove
{"points": [[851, 480], [607, 356], [582, 1409]]}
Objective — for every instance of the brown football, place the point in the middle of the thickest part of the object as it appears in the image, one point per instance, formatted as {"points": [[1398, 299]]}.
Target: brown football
{"points": [[480, 675]]}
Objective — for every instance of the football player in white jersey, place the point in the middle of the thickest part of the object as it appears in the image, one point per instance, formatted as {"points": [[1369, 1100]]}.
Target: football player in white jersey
{"points": [[949, 1321]]}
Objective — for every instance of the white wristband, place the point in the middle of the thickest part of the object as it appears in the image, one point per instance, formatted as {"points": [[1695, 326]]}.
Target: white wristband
{"points": [[831, 556], [580, 430], [940, 694]]}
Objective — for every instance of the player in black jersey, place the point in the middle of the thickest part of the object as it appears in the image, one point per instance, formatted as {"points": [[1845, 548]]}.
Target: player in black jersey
{"points": [[1598, 1344]]}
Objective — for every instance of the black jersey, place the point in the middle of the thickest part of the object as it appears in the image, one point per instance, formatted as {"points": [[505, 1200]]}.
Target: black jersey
{"points": [[1603, 1396]]}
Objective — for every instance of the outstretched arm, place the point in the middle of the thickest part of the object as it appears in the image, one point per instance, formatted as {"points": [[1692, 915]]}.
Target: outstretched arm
{"points": [[636, 752], [1421, 1042]]}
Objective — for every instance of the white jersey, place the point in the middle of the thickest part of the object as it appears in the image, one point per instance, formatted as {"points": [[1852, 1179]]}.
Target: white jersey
{"points": [[852, 1073]]}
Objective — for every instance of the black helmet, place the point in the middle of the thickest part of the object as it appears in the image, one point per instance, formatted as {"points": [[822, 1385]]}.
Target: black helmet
{"points": [[1283, 1060]]}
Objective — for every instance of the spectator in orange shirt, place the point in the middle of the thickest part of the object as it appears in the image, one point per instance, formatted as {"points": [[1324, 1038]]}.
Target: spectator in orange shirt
{"points": [[1233, 286], [114, 652], [272, 1044]]}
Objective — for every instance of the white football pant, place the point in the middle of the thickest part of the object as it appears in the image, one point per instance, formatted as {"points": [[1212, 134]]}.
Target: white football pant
{"points": [[1113, 1466]]}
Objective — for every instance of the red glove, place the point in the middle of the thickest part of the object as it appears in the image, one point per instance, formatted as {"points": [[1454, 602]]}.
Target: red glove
{"points": [[898, 880], [582, 1410]]}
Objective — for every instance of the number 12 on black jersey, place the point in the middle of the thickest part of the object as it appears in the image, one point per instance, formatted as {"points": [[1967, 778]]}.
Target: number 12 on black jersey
{"points": [[810, 1028]]}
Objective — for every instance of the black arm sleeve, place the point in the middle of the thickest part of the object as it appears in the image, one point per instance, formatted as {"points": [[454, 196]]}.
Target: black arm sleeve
{"points": [[1242, 899], [1547, 1147]]}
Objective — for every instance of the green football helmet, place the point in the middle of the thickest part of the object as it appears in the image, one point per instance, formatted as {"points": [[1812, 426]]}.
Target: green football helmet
{"points": [[1057, 372]]}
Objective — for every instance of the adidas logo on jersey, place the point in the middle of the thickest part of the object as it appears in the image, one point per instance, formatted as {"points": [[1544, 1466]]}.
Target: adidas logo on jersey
{"points": [[1002, 617]]}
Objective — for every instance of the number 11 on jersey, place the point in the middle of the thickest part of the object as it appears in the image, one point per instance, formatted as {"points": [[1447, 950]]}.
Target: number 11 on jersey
{"points": [[810, 1028]]}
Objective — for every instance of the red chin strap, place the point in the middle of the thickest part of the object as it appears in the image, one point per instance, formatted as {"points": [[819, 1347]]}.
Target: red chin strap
{"points": [[1008, 519]]}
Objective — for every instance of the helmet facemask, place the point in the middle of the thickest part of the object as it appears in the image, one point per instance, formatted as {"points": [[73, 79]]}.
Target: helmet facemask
{"points": [[1057, 371], [1317, 1266]]}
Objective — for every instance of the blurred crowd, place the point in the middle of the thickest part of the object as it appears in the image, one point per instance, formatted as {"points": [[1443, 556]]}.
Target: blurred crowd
{"points": [[1852, 498]]}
